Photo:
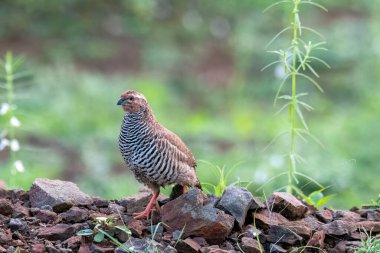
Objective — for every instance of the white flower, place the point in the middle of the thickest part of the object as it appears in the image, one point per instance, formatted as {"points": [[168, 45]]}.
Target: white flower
{"points": [[3, 143], [19, 166], [4, 108], [15, 122], [15, 146]]}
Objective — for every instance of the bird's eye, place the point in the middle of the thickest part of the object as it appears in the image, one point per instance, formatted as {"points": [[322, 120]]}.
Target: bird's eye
{"points": [[130, 98]]}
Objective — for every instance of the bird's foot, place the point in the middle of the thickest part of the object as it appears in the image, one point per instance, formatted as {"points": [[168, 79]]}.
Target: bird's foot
{"points": [[143, 214]]}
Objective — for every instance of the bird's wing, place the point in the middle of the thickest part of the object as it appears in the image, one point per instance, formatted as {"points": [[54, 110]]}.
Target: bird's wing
{"points": [[184, 153]]}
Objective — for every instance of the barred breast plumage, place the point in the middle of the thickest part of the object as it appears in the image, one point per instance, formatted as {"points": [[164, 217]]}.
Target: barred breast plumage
{"points": [[154, 154]]}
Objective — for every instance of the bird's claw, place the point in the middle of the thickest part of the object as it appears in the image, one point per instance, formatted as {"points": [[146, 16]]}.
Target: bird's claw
{"points": [[143, 214]]}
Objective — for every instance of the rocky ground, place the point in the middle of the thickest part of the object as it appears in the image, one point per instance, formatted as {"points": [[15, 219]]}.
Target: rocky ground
{"points": [[48, 217]]}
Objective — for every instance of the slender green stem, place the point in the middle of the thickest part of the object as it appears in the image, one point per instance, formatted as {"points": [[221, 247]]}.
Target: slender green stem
{"points": [[292, 111]]}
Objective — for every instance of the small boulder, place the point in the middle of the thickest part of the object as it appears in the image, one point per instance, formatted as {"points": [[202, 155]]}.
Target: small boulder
{"points": [[250, 245], [192, 213], [264, 219], [325, 215], [75, 214], [45, 216], [288, 205], [369, 226], [188, 245], [339, 227], [6, 207], [282, 234], [137, 202], [60, 195], [236, 201], [57, 232]]}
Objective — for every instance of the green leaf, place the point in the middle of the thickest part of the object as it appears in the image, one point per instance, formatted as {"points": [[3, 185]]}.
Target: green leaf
{"points": [[99, 237], [299, 113], [85, 232], [311, 80], [125, 229], [274, 4], [315, 4], [277, 35]]}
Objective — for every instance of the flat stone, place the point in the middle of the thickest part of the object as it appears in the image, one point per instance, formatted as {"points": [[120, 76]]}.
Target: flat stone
{"points": [[6, 207], [57, 232], [74, 242], [236, 201], [45, 216], [347, 216], [192, 213], [60, 195], [75, 214], [300, 227], [368, 225], [250, 245], [287, 205], [264, 219], [282, 234], [215, 249], [373, 215], [188, 245], [339, 227]]}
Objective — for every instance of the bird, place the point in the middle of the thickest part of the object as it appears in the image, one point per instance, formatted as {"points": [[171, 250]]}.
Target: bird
{"points": [[156, 156]]}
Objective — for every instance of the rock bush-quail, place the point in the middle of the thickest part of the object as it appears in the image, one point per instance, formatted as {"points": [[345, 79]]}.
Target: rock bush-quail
{"points": [[155, 155]]}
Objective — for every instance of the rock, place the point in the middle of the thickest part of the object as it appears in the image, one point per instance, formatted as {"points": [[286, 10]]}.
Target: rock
{"points": [[38, 248], [373, 215], [17, 224], [275, 248], [136, 227], [6, 207], [74, 242], [60, 195], [215, 249], [313, 222], [256, 204], [236, 201], [57, 232], [75, 214], [191, 212], [45, 216], [282, 234], [188, 245], [264, 219], [369, 226], [347, 216], [250, 245], [250, 231], [300, 227], [326, 215], [96, 249], [100, 202], [339, 227], [287, 205], [317, 240], [136, 203], [144, 245], [20, 211], [2, 249], [115, 208]]}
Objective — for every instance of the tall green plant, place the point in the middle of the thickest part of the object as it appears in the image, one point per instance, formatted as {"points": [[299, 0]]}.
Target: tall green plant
{"points": [[296, 61], [10, 72]]}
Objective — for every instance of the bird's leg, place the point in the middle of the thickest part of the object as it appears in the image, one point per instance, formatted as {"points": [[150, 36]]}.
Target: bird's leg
{"points": [[148, 208], [184, 189]]}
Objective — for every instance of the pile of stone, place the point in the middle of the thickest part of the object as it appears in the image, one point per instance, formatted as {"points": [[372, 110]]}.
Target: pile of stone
{"points": [[48, 217]]}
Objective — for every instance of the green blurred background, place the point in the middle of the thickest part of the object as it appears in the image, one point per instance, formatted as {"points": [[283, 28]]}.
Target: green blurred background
{"points": [[198, 63]]}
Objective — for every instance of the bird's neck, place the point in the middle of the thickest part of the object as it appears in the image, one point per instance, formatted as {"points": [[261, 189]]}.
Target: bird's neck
{"points": [[142, 118]]}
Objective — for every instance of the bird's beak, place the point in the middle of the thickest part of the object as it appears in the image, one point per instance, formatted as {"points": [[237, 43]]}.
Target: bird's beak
{"points": [[122, 101]]}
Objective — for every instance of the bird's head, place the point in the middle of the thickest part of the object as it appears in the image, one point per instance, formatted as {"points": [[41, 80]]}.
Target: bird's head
{"points": [[133, 102]]}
